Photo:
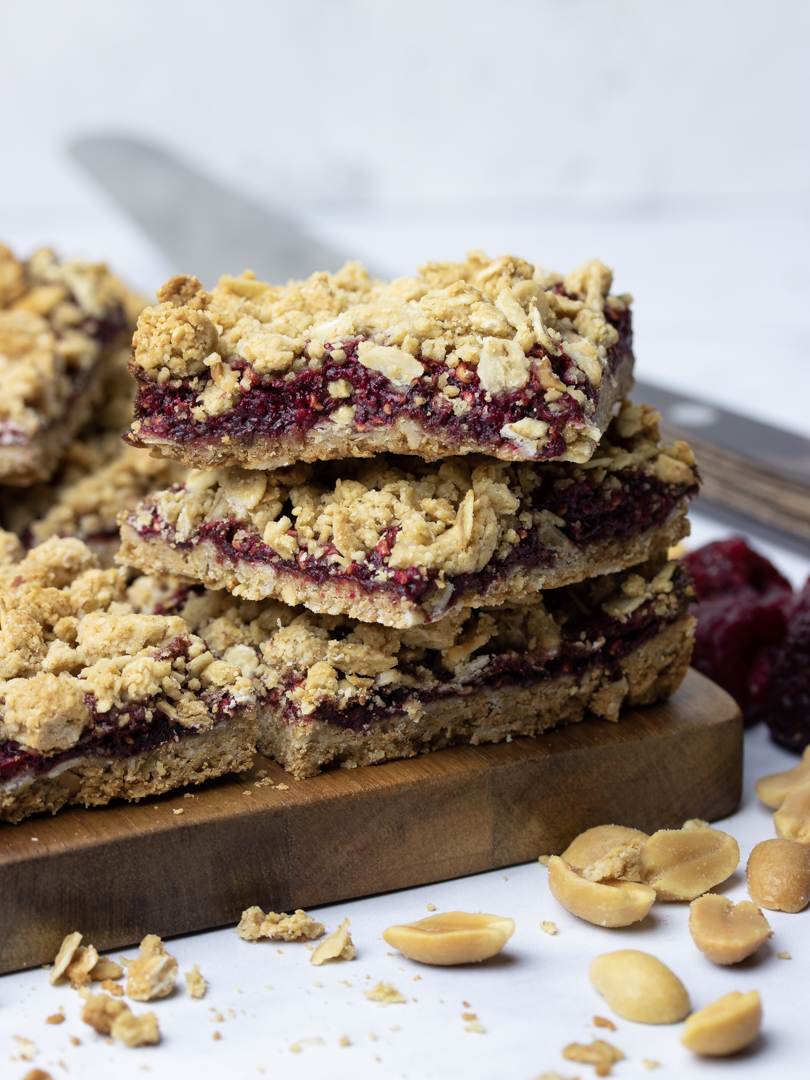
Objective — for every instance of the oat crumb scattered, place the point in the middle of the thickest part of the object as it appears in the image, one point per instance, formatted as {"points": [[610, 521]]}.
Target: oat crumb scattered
{"points": [[254, 924], [296, 1047], [338, 946], [26, 1048], [548, 927], [475, 1025], [431, 907], [603, 1022], [385, 993], [153, 973], [195, 983], [56, 1018], [112, 988], [344, 1041], [650, 1064], [468, 1016], [179, 810], [282, 787], [74, 1041], [416, 978], [783, 956], [544, 859], [217, 1035], [599, 1053]]}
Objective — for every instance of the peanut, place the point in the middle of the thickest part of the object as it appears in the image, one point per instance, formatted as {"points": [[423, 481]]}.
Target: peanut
{"points": [[681, 864], [725, 932], [792, 819], [779, 875], [607, 851], [725, 1026], [774, 789], [638, 987], [453, 938], [605, 903]]}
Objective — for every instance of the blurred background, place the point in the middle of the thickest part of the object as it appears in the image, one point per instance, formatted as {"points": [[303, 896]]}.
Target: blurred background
{"points": [[668, 139]]}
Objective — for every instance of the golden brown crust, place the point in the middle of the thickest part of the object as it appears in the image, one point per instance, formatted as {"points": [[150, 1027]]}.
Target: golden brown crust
{"points": [[650, 673], [487, 316], [194, 759]]}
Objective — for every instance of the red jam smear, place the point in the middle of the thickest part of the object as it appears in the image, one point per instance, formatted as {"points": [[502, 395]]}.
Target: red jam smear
{"points": [[274, 409], [743, 609]]}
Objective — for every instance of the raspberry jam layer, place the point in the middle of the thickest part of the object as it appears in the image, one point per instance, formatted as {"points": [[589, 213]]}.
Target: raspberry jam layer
{"points": [[575, 655], [272, 408], [590, 511], [147, 728]]}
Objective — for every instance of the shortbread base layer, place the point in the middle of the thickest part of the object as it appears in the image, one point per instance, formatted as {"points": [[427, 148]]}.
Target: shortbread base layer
{"points": [[329, 440], [650, 673], [203, 563], [94, 781]]}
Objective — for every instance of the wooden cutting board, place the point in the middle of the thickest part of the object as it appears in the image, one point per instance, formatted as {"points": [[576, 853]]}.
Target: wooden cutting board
{"points": [[119, 872]]}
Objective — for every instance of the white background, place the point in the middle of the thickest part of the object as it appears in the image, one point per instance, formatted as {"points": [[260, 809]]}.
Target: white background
{"points": [[668, 139]]}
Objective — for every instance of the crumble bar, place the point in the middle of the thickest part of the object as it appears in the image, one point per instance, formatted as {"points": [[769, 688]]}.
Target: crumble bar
{"points": [[59, 324], [99, 700], [493, 356], [336, 691], [401, 542]]}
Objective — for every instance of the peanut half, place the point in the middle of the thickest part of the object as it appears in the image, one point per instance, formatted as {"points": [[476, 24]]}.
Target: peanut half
{"points": [[774, 789], [605, 903], [681, 864], [792, 819], [725, 932], [779, 875], [637, 986], [725, 1026], [456, 937], [594, 844]]}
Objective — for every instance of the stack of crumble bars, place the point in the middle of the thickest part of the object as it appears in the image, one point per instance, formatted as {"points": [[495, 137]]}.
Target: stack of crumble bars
{"points": [[415, 514]]}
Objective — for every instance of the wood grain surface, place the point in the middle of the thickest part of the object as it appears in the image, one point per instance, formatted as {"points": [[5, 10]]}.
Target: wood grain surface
{"points": [[122, 871]]}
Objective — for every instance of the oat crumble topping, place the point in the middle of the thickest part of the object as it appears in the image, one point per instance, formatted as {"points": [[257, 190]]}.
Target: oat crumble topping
{"points": [[153, 973], [254, 924]]}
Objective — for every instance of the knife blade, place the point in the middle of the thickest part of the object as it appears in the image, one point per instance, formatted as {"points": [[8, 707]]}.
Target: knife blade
{"points": [[756, 476]]}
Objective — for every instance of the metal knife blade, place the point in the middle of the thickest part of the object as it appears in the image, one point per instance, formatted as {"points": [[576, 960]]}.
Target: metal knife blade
{"points": [[204, 228], [757, 477]]}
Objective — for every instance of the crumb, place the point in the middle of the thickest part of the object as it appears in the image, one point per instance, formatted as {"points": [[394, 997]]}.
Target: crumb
{"points": [[416, 978], [372, 1036], [431, 907], [179, 810], [468, 1016], [548, 927], [219, 1017], [232, 1014], [188, 795], [39, 1074], [282, 787], [248, 793], [599, 1053], [64, 956], [344, 1041], [112, 988], [543, 860], [466, 1004], [56, 1018], [296, 1047], [105, 970], [338, 946], [217, 1035], [385, 993], [153, 973], [477, 1026], [318, 984], [101, 1011], [345, 982], [74, 1041], [603, 1022], [650, 1064], [26, 1048], [254, 924], [783, 956], [155, 807], [135, 1030], [195, 983]]}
